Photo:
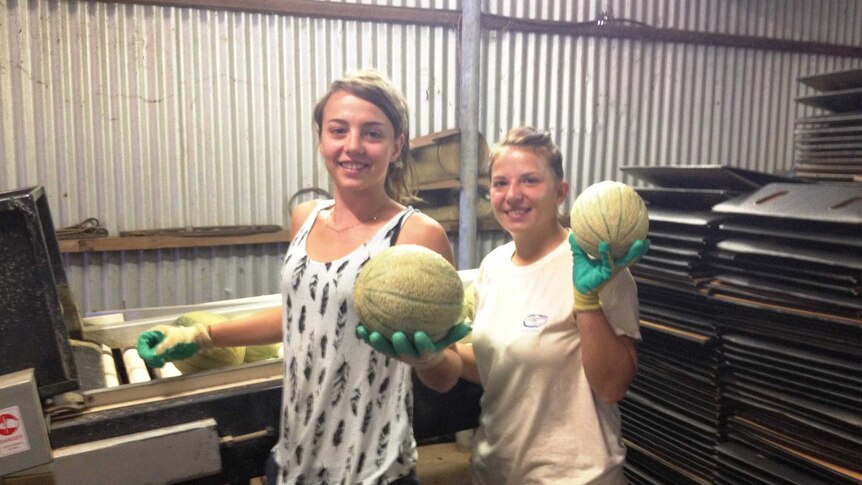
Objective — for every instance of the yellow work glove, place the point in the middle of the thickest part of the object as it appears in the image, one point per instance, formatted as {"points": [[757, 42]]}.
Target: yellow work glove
{"points": [[165, 343], [590, 275]]}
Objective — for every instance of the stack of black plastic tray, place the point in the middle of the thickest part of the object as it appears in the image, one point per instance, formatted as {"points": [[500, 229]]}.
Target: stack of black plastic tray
{"points": [[829, 146], [673, 411], [788, 279]]}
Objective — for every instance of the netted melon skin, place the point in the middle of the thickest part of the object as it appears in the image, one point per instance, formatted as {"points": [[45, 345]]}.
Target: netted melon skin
{"points": [[609, 211], [256, 353], [409, 288], [212, 358]]}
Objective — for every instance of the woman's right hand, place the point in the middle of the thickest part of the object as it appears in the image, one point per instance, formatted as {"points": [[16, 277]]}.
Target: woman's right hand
{"points": [[165, 343]]}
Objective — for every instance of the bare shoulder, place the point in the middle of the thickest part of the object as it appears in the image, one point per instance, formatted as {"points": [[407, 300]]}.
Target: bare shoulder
{"points": [[423, 230], [300, 214]]}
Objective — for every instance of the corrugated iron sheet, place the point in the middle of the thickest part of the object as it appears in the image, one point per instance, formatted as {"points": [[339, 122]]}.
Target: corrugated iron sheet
{"points": [[136, 279], [155, 116]]}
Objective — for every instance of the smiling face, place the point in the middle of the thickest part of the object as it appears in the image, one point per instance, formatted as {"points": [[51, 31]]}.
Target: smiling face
{"points": [[357, 142], [525, 193]]}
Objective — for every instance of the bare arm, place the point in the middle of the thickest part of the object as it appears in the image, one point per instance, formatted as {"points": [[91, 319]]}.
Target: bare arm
{"points": [[610, 360], [459, 362], [469, 370], [422, 230], [263, 327]]}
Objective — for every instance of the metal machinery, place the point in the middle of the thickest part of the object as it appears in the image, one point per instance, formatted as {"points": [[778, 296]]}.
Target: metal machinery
{"points": [[61, 421]]}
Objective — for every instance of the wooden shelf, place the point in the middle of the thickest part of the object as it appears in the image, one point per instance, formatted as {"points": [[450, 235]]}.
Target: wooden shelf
{"points": [[486, 224], [137, 243], [141, 243]]}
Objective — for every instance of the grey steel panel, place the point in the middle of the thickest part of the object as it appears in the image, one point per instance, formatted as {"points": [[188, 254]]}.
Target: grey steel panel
{"points": [[830, 168], [816, 202], [834, 81], [681, 236], [831, 118], [855, 154], [828, 130], [688, 218], [826, 421], [693, 199], [802, 230], [168, 455], [829, 160], [703, 177], [821, 456], [827, 140], [792, 294], [777, 273], [839, 262], [800, 269], [806, 146], [828, 177], [838, 101], [23, 434]]}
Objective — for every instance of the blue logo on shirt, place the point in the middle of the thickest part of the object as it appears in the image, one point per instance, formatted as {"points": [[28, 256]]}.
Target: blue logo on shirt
{"points": [[534, 321]]}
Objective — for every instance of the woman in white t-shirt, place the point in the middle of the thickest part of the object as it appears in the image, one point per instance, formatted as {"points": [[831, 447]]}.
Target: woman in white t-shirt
{"points": [[551, 376]]}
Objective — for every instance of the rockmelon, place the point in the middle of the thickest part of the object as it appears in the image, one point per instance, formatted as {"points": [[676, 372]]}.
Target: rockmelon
{"points": [[612, 212], [211, 358], [469, 302], [409, 288], [255, 353]]}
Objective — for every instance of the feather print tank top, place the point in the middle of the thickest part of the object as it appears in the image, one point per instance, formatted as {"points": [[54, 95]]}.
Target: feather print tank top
{"points": [[346, 408]]}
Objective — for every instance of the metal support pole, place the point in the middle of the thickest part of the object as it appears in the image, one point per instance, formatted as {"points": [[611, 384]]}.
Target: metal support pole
{"points": [[471, 28]]}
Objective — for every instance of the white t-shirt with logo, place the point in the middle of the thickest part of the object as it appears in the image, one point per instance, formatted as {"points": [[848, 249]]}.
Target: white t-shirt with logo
{"points": [[540, 421]]}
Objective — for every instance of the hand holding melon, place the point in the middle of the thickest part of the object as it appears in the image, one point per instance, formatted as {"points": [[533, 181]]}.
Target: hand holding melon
{"points": [[609, 228], [421, 353], [589, 274], [410, 290], [187, 343]]}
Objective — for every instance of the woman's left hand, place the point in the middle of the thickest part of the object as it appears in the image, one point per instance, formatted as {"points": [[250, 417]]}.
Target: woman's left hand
{"points": [[421, 353], [589, 274]]}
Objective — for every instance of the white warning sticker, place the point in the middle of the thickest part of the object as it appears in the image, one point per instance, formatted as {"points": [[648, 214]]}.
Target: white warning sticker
{"points": [[13, 436]]}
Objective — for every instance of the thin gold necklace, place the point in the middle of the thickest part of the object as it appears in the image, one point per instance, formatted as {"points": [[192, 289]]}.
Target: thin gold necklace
{"points": [[327, 221]]}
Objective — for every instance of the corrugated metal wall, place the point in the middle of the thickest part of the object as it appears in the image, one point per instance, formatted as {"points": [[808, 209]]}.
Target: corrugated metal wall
{"points": [[617, 102], [156, 116]]}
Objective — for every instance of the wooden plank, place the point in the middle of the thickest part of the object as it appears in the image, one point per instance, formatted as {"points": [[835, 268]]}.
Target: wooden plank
{"points": [[141, 243], [138, 243]]}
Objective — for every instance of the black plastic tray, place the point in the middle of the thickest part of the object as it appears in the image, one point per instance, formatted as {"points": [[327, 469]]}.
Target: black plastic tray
{"points": [[716, 177], [843, 101], [834, 81], [840, 203]]}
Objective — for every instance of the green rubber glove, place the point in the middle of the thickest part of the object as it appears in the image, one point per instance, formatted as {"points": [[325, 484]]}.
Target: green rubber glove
{"points": [[165, 343], [421, 353], [589, 275]]}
